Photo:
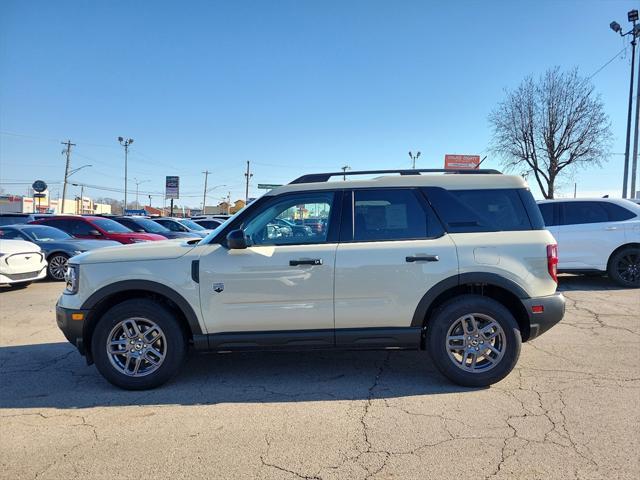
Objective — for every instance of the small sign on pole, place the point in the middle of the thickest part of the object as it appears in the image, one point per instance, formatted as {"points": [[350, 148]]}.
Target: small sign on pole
{"points": [[172, 187], [461, 162]]}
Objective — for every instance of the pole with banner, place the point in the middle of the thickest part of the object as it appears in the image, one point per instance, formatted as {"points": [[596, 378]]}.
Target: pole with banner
{"points": [[172, 189]]}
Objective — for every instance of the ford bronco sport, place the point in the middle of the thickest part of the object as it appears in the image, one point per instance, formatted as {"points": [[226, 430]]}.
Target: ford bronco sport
{"points": [[457, 263]]}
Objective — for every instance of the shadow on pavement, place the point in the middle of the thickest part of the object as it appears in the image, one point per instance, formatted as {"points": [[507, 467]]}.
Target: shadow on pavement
{"points": [[567, 282], [54, 375]]}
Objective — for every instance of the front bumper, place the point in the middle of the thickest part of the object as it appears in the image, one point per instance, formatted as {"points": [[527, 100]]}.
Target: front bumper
{"points": [[71, 322], [10, 277], [544, 313]]}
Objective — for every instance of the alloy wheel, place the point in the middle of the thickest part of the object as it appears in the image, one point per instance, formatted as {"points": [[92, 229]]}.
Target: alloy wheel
{"points": [[58, 266], [476, 343], [628, 268], [136, 347]]}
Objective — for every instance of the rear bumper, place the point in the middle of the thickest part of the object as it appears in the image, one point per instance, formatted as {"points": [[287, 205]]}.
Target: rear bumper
{"points": [[70, 327], [552, 312]]}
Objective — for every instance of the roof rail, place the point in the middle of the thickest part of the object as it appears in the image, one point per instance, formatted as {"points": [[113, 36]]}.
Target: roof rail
{"points": [[324, 177]]}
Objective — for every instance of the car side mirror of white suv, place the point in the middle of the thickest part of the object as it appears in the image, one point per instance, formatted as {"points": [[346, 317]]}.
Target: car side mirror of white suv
{"points": [[236, 239]]}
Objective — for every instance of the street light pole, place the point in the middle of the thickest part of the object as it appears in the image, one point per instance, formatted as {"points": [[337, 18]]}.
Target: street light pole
{"points": [[344, 169], [634, 160], [66, 151], [632, 16], [125, 144], [413, 158]]}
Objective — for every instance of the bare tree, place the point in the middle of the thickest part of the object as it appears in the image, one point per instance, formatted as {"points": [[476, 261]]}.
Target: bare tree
{"points": [[547, 125]]}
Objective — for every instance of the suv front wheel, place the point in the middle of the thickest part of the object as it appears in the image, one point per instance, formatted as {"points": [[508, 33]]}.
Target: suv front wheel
{"points": [[474, 341], [138, 344]]}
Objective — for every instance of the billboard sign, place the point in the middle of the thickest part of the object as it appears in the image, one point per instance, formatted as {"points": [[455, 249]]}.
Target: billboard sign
{"points": [[461, 162], [172, 187]]}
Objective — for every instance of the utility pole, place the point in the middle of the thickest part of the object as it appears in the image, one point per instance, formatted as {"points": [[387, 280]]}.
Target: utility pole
{"points": [[229, 203], [138, 182], [149, 201], [632, 16], [125, 144], [204, 196], [344, 170], [634, 161], [248, 176], [413, 158], [66, 151]]}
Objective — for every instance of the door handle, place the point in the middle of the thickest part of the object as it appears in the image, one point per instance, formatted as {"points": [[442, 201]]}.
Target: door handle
{"points": [[422, 258], [611, 228], [311, 261]]}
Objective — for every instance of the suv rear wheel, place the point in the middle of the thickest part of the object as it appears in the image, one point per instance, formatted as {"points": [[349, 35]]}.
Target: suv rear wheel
{"points": [[138, 344], [474, 341], [624, 267]]}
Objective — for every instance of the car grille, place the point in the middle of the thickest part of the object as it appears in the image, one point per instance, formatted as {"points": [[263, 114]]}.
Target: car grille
{"points": [[21, 276]]}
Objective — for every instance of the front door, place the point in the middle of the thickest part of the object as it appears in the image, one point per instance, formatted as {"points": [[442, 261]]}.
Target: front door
{"points": [[283, 282]]}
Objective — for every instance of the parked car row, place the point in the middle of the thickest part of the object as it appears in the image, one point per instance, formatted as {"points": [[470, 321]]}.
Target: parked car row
{"points": [[38, 245]]}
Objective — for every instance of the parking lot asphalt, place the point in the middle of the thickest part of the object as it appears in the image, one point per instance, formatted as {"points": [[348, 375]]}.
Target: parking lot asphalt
{"points": [[568, 410]]}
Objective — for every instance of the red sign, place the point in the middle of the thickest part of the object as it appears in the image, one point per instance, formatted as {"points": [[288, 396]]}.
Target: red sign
{"points": [[461, 162]]}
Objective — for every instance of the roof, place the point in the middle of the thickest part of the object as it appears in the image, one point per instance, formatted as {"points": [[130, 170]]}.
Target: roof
{"points": [[450, 182]]}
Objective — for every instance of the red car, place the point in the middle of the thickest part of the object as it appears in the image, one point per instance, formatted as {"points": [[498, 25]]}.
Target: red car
{"points": [[96, 228]]}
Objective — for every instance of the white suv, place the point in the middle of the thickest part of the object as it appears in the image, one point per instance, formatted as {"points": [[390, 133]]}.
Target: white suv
{"points": [[596, 235], [457, 264]]}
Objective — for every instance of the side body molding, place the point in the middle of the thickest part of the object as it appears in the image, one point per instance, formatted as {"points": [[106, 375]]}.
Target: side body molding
{"points": [[463, 279], [151, 287]]}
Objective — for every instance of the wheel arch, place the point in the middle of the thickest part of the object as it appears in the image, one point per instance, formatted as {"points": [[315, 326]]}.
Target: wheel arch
{"points": [[54, 252], [490, 285], [626, 245], [105, 298]]}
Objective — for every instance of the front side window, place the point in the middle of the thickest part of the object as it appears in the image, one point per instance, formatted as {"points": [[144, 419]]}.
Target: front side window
{"points": [[295, 219], [546, 209], [111, 226], [79, 227], [388, 215]]}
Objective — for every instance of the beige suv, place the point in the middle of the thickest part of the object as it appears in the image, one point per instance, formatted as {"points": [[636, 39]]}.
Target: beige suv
{"points": [[455, 263]]}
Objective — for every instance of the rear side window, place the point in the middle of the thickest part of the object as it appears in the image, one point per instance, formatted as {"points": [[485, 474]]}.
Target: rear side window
{"points": [[487, 210], [576, 213], [10, 235], [618, 213], [61, 224], [392, 214]]}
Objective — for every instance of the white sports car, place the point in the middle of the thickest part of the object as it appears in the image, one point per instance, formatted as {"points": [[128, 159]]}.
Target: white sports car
{"points": [[21, 263]]}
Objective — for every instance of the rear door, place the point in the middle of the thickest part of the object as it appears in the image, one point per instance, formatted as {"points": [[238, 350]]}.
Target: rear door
{"points": [[392, 250], [586, 236]]}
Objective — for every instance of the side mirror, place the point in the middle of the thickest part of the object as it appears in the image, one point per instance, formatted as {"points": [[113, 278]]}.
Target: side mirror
{"points": [[95, 233], [236, 239]]}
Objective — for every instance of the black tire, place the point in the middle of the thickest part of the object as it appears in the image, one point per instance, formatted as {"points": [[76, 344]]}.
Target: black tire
{"points": [[449, 314], [624, 267], [174, 349], [18, 286], [53, 263]]}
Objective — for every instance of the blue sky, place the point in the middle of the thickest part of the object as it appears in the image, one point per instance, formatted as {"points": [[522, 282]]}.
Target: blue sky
{"points": [[293, 86]]}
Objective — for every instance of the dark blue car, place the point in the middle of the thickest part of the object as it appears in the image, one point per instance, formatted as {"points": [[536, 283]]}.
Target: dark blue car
{"points": [[57, 245]]}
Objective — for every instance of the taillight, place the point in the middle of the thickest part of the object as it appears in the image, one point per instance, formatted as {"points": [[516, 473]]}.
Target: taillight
{"points": [[552, 261]]}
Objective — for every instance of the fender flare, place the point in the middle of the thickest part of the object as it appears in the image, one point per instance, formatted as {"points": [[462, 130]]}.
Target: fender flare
{"points": [[485, 278], [151, 287]]}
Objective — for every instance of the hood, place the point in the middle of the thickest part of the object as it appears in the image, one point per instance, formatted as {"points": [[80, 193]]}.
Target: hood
{"points": [[137, 235], [78, 244], [136, 252], [9, 247], [171, 234]]}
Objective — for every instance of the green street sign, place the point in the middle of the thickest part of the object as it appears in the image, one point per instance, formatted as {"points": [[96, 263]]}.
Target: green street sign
{"points": [[268, 186]]}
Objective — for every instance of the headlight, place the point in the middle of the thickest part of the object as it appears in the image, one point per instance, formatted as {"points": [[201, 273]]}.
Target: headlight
{"points": [[72, 279], [138, 240]]}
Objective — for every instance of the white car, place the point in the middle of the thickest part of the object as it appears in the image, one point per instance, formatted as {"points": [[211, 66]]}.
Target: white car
{"points": [[21, 263], [459, 264], [596, 235]]}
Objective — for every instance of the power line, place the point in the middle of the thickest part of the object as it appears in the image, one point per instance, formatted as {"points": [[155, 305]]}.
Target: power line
{"points": [[607, 63]]}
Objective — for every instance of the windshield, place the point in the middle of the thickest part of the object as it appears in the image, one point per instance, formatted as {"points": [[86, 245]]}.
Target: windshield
{"points": [[149, 225], [191, 224], [110, 226], [45, 234]]}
